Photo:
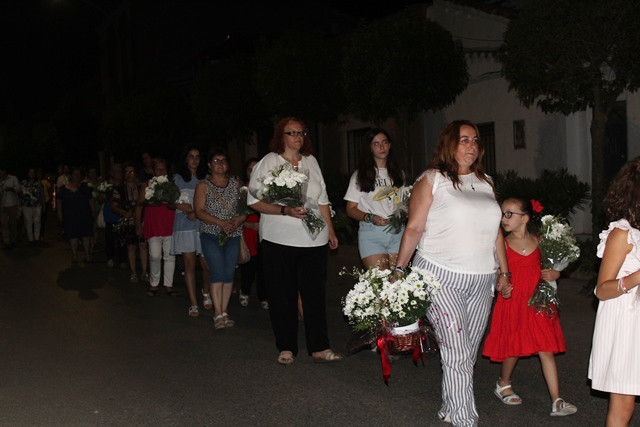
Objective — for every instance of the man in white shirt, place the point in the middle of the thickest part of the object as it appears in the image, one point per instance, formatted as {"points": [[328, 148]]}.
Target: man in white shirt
{"points": [[9, 187]]}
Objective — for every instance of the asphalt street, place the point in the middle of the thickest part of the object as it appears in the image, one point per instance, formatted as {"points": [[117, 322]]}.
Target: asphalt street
{"points": [[80, 345]]}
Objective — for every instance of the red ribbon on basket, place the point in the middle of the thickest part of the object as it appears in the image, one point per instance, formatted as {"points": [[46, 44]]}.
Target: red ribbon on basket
{"points": [[383, 345], [384, 338]]}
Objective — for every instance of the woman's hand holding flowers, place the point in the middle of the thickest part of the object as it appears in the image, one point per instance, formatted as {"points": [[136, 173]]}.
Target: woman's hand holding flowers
{"points": [[549, 275], [296, 212]]}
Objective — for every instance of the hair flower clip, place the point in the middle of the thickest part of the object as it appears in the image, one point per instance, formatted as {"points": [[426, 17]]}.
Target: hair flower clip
{"points": [[536, 206]]}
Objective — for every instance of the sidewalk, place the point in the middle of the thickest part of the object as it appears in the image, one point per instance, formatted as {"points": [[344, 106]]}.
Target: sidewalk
{"points": [[80, 345]]}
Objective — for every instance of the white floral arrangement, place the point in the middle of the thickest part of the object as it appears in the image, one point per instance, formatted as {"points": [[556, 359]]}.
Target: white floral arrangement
{"points": [[398, 219], [375, 299], [104, 187], [161, 191], [185, 197], [283, 185], [558, 249], [286, 186]]}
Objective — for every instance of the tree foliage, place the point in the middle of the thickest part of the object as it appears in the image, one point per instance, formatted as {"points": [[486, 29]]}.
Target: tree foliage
{"points": [[225, 101], [154, 119], [299, 74], [567, 55], [563, 54], [400, 65]]}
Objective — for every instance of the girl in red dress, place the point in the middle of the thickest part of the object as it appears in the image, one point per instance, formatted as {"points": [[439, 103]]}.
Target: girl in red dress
{"points": [[518, 330]]}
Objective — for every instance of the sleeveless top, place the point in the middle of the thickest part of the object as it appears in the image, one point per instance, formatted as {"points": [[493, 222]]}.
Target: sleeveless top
{"points": [[462, 225], [214, 206]]}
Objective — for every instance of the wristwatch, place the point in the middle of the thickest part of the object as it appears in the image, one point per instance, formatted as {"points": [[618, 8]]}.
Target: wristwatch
{"points": [[282, 210]]}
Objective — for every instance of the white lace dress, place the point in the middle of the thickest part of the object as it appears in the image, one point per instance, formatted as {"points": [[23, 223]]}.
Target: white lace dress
{"points": [[614, 365]]}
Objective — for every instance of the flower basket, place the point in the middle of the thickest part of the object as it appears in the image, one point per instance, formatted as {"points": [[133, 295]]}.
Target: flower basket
{"points": [[405, 338], [378, 301]]}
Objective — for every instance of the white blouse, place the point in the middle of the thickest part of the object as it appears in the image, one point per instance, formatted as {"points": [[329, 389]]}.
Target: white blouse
{"points": [[462, 225], [286, 230]]}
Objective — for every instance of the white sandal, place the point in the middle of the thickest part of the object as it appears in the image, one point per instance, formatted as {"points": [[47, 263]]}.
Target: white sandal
{"points": [[509, 399], [206, 301], [560, 408]]}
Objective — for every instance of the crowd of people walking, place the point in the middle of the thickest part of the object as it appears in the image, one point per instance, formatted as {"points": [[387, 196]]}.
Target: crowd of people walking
{"points": [[455, 228]]}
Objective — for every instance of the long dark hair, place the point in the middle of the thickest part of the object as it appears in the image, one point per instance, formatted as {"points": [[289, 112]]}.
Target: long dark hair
{"points": [[444, 156], [183, 168], [367, 170], [622, 198]]}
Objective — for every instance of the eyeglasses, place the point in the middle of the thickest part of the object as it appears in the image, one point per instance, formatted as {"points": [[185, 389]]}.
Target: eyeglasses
{"points": [[509, 214], [296, 133], [219, 161]]}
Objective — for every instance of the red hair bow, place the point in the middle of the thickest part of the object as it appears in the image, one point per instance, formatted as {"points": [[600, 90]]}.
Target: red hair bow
{"points": [[536, 206]]}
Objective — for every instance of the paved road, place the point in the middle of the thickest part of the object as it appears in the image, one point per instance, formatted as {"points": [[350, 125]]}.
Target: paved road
{"points": [[80, 345]]}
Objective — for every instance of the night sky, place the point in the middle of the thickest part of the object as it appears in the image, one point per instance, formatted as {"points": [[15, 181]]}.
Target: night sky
{"points": [[50, 47]]}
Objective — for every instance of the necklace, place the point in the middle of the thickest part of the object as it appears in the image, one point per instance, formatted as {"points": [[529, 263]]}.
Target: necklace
{"points": [[294, 160], [523, 249]]}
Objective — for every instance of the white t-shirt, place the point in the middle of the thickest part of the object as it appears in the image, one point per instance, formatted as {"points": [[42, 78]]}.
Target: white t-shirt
{"points": [[286, 230], [462, 225], [381, 201]]}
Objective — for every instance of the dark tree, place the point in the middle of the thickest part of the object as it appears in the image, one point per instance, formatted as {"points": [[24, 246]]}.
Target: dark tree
{"points": [[569, 55]]}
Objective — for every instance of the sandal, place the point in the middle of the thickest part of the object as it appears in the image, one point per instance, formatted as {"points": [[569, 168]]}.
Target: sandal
{"points": [[152, 291], [560, 408], [145, 277], [193, 311], [285, 358], [509, 399], [206, 301], [227, 320], [244, 299], [327, 356], [133, 278], [218, 321], [170, 292]]}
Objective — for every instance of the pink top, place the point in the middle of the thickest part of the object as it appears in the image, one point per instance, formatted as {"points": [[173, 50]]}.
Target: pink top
{"points": [[158, 221]]}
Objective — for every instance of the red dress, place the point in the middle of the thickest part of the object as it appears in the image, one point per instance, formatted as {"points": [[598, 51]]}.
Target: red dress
{"points": [[517, 330]]}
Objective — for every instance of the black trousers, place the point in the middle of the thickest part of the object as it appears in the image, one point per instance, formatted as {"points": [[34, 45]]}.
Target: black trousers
{"points": [[287, 271], [251, 271]]}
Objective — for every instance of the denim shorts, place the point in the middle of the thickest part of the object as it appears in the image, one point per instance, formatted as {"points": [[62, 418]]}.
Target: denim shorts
{"points": [[374, 240], [222, 260]]}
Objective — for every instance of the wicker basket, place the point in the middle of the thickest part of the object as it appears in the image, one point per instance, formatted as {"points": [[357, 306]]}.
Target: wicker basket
{"points": [[403, 343], [405, 338]]}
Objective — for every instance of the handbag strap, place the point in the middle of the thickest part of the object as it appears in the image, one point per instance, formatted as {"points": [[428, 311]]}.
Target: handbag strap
{"points": [[226, 205]]}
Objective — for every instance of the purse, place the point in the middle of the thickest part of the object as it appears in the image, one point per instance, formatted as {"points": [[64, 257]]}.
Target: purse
{"points": [[243, 255]]}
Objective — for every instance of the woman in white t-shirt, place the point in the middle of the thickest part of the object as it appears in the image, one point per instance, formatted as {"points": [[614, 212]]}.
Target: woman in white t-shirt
{"points": [[375, 191], [454, 222]]}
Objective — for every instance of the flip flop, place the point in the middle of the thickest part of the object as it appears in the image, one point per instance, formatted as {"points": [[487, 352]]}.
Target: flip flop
{"points": [[328, 357], [285, 358]]}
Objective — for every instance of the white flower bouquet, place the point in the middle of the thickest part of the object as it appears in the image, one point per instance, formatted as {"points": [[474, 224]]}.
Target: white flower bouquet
{"points": [[375, 300], [286, 186], [558, 249], [161, 191], [398, 219], [104, 188], [242, 207]]}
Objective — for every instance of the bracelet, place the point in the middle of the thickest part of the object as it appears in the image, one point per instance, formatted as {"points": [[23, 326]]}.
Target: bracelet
{"points": [[621, 285], [370, 217], [282, 210], [398, 268], [507, 274]]}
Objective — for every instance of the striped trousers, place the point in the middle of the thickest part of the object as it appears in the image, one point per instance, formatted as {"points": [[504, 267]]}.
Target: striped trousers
{"points": [[459, 315]]}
